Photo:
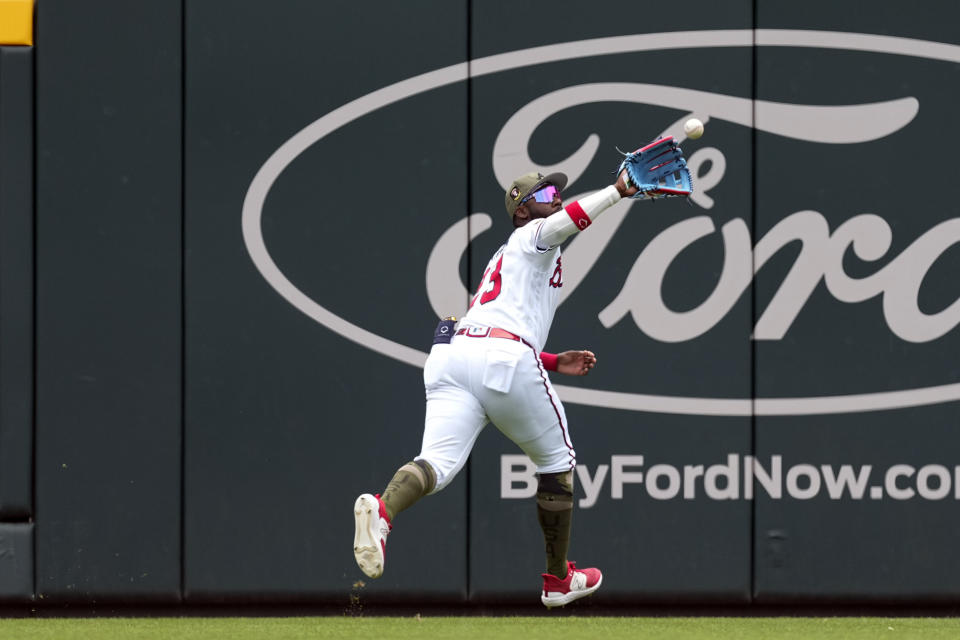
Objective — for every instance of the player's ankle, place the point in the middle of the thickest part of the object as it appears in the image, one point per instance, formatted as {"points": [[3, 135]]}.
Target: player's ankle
{"points": [[559, 574]]}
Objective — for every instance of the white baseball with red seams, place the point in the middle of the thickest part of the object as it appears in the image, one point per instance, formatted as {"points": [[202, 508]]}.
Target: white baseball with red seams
{"points": [[693, 128], [479, 378]]}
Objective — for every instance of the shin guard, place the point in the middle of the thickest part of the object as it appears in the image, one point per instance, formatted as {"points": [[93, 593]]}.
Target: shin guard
{"points": [[411, 482], [555, 513]]}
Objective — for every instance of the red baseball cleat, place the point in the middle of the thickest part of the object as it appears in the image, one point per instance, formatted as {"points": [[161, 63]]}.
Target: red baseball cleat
{"points": [[370, 535], [577, 584]]}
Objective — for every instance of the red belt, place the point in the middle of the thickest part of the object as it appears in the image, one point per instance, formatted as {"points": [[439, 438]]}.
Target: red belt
{"points": [[490, 333]]}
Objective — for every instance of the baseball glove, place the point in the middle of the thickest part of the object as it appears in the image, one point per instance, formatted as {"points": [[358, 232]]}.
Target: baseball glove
{"points": [[659, 170]]}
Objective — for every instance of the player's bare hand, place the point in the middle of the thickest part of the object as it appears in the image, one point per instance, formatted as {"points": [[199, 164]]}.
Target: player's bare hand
{"points": [[576, 363], [624, 185]]}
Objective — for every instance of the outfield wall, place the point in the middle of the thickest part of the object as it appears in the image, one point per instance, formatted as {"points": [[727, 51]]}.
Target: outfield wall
{"points": [[227, 230]]}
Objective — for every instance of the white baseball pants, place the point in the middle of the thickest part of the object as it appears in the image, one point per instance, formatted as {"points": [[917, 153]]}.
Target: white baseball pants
{"points": [[474, 380]]}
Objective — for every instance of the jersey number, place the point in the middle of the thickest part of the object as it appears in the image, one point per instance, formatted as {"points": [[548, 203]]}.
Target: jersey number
{"points": [[490, 285]]}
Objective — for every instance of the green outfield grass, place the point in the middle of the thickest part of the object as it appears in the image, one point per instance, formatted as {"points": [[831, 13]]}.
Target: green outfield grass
{"points": [[529, 628]]}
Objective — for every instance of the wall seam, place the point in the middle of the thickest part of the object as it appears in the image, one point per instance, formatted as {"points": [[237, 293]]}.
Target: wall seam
{"points": [[33, 323], [469, 252], [183, 297], [753, 297]]}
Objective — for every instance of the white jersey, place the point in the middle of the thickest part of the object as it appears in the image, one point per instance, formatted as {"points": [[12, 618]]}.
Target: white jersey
{"points": [[475, 379], [520, 288]]}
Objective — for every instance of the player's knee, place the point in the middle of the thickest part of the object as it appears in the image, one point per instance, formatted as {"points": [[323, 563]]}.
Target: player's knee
{"points": [[555, 483], [438, 475], [429, 475], [420, 473], [555, 490]]}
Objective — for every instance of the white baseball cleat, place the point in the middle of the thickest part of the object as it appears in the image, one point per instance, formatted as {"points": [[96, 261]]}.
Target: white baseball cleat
{"points": [[577, 584], [370, 536]]}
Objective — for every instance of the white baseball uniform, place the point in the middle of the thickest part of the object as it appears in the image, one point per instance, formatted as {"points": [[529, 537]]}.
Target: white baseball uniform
{"points": [[491, 369]]}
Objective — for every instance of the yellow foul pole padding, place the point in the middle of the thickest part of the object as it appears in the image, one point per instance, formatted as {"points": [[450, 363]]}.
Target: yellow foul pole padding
{"points": [[16, 22]]}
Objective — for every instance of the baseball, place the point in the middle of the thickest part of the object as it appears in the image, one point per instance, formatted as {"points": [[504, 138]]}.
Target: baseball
{"points": [[693, 128]]}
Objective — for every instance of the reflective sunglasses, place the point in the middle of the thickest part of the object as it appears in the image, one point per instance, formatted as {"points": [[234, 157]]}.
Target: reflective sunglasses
{"points": [[544, 194]]}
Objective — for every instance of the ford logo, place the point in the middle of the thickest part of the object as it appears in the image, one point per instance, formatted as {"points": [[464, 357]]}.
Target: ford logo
{"points": [[868, 236]]}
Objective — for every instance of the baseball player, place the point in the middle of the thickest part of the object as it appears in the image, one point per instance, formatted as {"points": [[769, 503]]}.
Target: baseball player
{"points": [[493, 368]]}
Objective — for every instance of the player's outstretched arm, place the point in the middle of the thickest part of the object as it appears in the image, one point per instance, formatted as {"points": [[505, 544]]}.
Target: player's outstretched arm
{"points": [[578, 215], [572, 363]]}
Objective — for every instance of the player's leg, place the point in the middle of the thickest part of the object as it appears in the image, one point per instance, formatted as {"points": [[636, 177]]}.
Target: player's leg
{"points": [[454, 419], [454, 416], [534, 418], [411, 482], [555, 514], [563, 582], [555, 466], [373, 515]]}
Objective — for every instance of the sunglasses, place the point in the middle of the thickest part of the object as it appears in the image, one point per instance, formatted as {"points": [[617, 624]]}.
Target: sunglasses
{"points": [[544, 194]]}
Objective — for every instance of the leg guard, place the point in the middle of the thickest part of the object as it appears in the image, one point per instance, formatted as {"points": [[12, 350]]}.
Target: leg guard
{"points": [[555, 513], [411, 482]]}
